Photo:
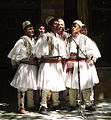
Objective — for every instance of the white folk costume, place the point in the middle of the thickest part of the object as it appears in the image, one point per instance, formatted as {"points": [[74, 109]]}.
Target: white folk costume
{"points": [[26, 75], [50, 75], [88, 74]]}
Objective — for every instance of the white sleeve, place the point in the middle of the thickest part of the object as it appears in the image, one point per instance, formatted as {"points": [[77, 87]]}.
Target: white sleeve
{"points": [[41, 47], [92, 50], [18, 52]]}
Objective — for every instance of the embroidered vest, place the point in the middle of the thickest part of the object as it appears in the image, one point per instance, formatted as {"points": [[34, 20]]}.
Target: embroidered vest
{"points": [[28, 47], [50, 45]]}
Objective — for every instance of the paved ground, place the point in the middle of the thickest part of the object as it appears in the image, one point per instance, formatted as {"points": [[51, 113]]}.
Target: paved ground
{"points": [[103, 112]]}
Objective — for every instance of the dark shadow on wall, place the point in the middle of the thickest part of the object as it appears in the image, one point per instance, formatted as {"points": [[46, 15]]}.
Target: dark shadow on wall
{"points": [[11, 18]]}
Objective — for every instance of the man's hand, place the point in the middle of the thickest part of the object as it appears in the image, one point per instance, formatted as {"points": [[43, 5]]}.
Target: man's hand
{"points": [[91, 62]]}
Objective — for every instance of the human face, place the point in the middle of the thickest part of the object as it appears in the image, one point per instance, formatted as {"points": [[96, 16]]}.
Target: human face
{"points": [[84, 31], [41, 29], [76, 29], [30, 32], [60, 25], [55, 26]]}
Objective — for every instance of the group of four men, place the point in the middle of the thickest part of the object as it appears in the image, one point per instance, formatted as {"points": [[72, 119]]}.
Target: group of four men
{"points": [[64, 60]]}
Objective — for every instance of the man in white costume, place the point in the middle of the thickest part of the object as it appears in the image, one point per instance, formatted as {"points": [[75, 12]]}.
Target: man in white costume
{"points": [[50, 48], [84, 31], [26, 75], [63, 35], [88, 53]]}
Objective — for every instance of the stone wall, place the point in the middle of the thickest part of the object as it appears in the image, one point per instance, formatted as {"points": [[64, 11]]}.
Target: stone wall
{"points": [[103, 89], [52, 8]]}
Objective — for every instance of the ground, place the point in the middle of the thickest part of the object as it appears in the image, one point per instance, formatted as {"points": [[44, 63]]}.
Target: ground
{"points": [[8, 111]]}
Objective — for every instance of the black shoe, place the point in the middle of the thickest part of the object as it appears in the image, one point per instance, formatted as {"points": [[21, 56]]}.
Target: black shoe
{"points": [[57, 107], [43, 110], [90, 108], [70, 108]]}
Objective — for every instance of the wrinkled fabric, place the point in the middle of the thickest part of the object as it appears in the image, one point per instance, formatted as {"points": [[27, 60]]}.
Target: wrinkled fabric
{"points": [[50, 75], [26, 75], [88, 74]]}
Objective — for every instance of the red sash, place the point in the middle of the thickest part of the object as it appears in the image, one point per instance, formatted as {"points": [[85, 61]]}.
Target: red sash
{"points": [[70, 64]]}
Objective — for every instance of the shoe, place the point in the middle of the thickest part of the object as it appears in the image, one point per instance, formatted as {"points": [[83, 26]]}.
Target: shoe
{"points": [[90, 108], [43, 110], [57, 107], [22, 111]]}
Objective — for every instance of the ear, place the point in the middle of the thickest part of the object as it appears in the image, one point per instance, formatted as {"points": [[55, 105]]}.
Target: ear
{"points": [[25, 30]]}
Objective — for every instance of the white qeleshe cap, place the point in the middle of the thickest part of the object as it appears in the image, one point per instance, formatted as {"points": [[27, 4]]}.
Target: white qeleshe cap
{"points": [[48, 19], [26, 23], [78, 22]]}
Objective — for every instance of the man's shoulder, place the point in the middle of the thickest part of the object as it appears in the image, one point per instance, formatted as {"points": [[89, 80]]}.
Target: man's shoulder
{"points": [[43, 35], [48, 34], [66, 33], [84, 36], [19, 40], [69, 38], [22, 40]]}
